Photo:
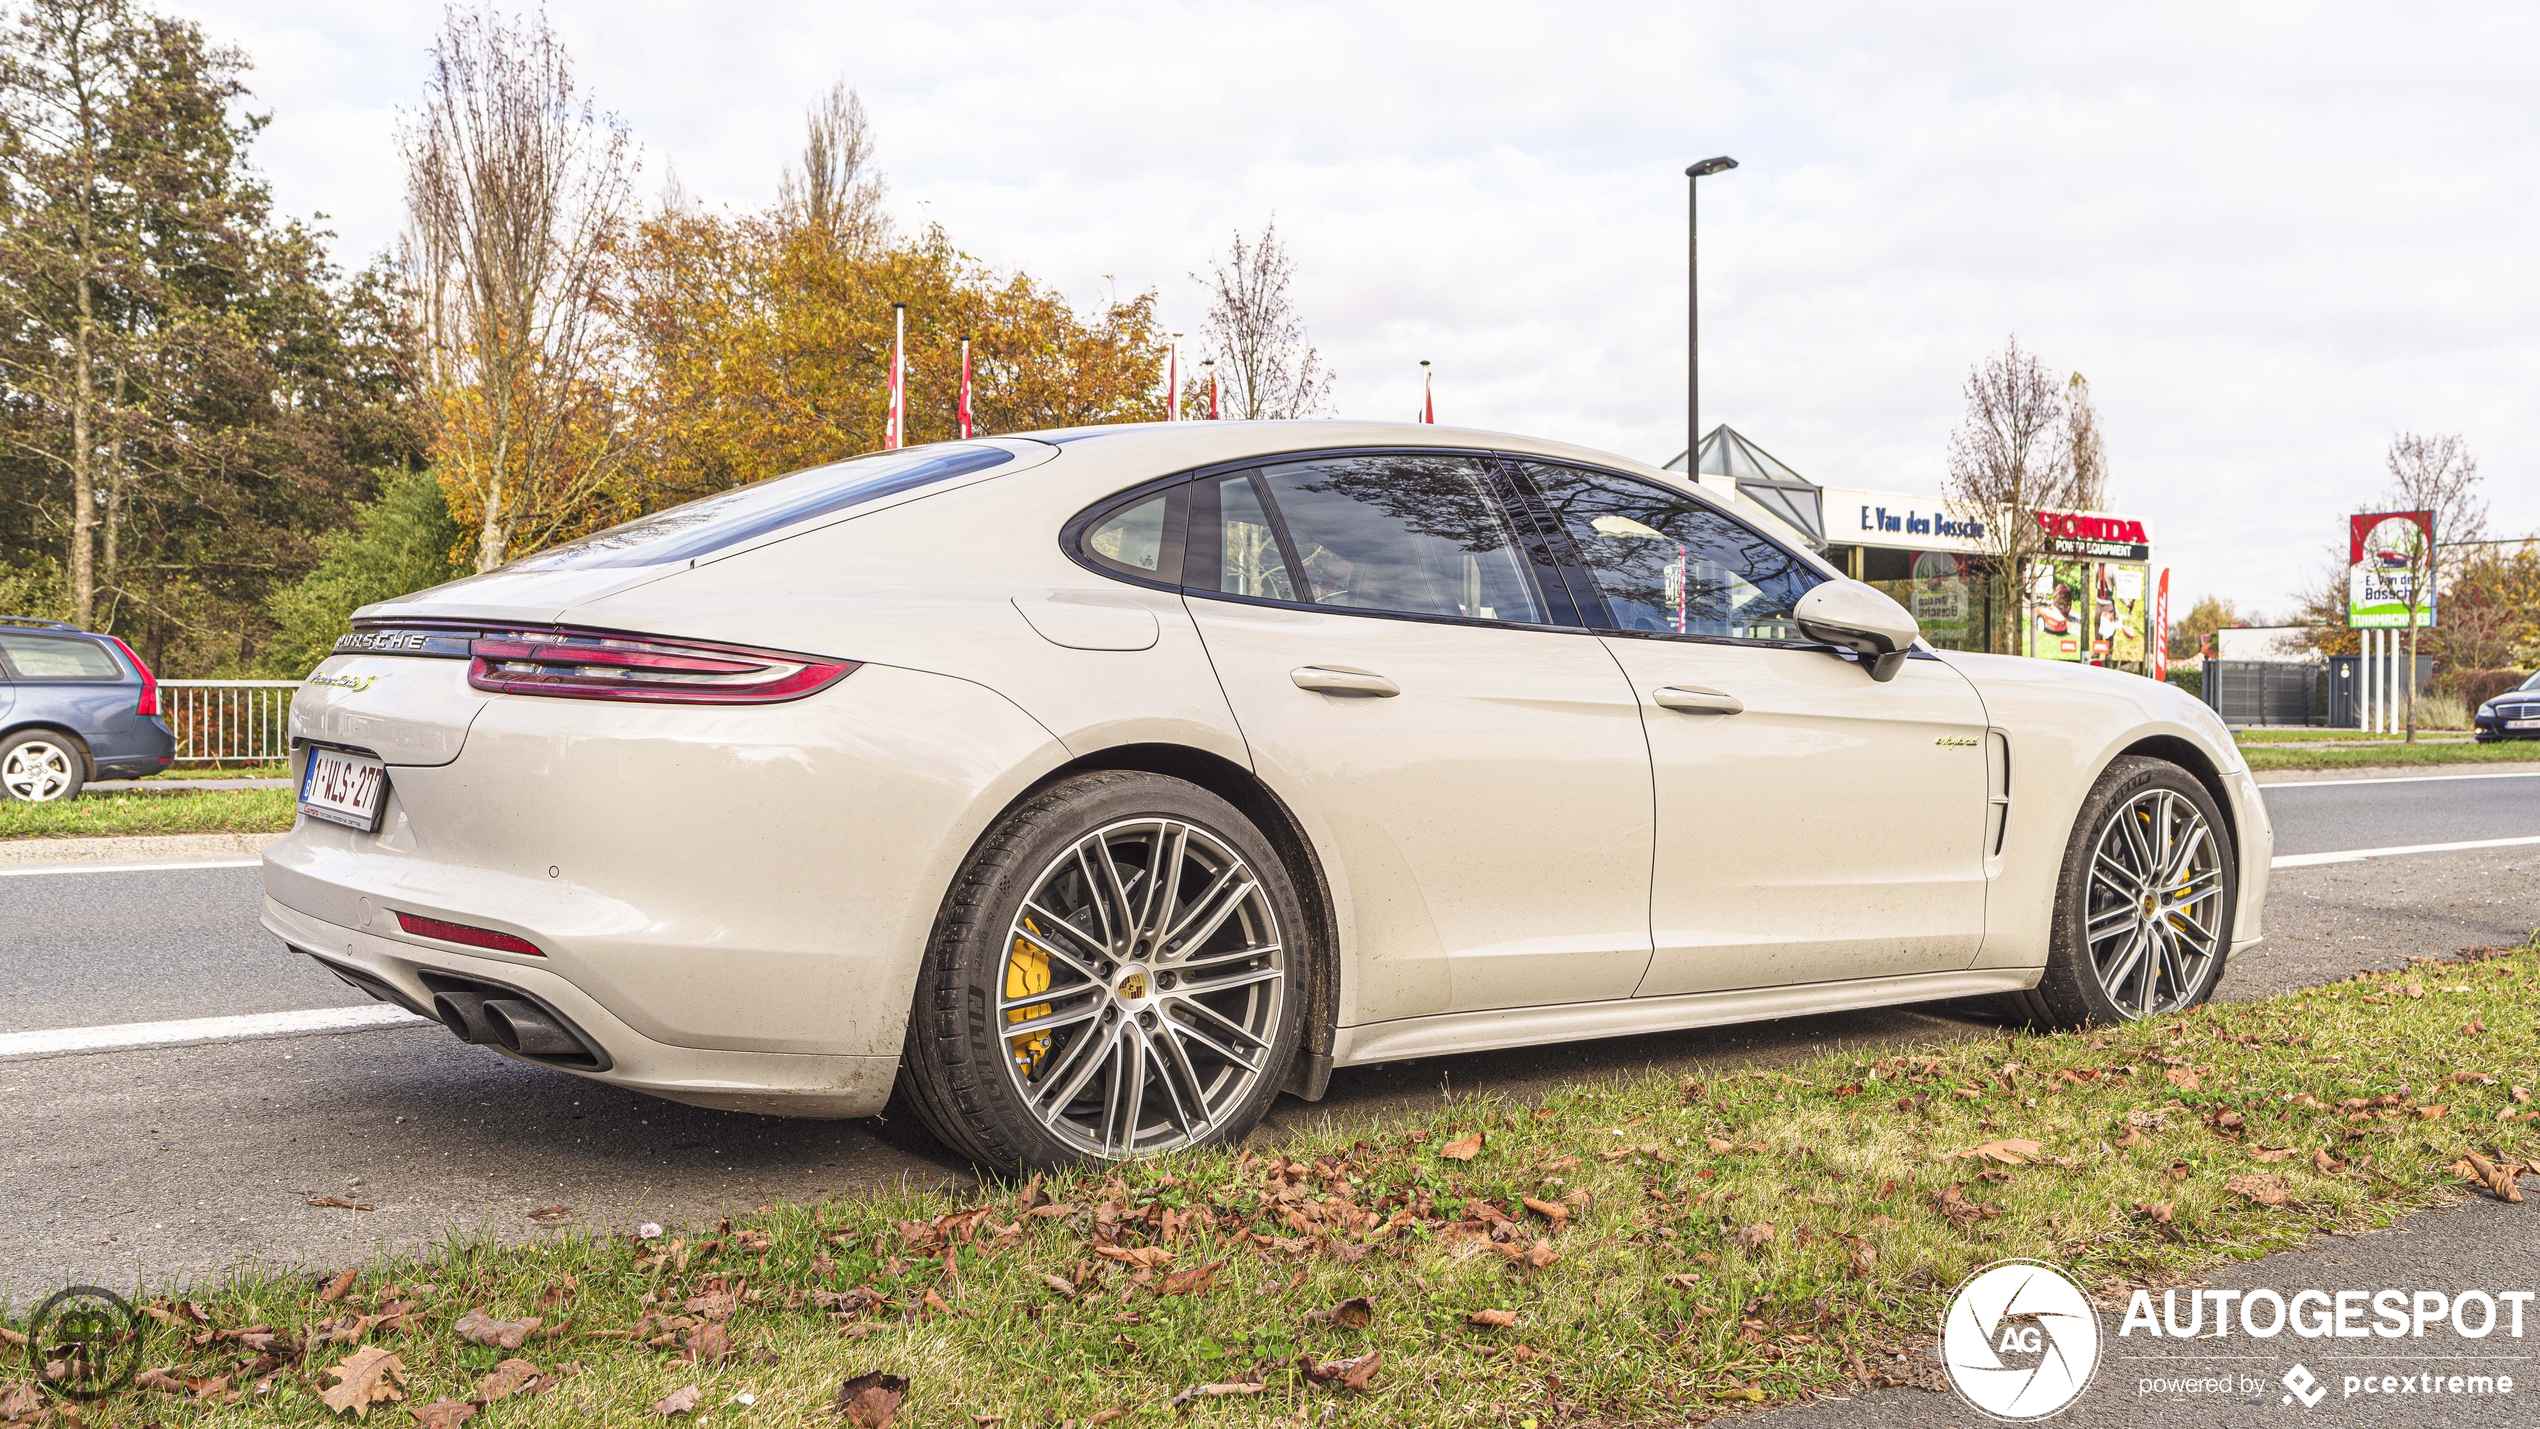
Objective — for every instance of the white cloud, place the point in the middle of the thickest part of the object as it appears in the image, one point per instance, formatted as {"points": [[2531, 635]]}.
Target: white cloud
{"points": [[2271, 235]]}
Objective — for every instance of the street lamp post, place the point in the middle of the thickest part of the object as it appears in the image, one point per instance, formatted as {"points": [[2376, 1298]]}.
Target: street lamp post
{"points": [[1693, 312]]}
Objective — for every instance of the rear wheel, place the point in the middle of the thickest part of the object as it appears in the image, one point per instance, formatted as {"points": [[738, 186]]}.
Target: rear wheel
{"points": [[1114, 976], [2143, 910], [39, 768]]}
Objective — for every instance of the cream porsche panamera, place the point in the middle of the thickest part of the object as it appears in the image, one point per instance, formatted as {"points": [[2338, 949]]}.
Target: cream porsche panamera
{"points": [[1095, 787]]}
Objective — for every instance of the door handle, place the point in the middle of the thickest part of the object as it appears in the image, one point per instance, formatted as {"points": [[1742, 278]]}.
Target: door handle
{"points": [[1693, 701], [1342, 682]]}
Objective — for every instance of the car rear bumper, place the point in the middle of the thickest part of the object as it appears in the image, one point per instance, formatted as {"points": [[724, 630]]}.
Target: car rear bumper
{"points": [[769, 1083]]}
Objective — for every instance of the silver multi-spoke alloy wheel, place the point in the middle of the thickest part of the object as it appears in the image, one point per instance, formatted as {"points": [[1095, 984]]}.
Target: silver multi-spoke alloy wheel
{"points": [[1143, 988], [2155, 906], [38, 771]]}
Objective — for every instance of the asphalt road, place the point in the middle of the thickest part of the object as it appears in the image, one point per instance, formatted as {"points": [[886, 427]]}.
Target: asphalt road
{"points": [[158, 1166]]}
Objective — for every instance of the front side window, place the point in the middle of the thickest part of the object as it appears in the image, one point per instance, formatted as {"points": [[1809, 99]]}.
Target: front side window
{"points": [[50, 657], [1668, 564], [1406, 534]]}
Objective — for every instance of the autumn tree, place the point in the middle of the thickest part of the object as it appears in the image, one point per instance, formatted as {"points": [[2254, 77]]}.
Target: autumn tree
{"points": [[2187, 636], [832, 195], [2435, 474], [2085, 446], [2010, 458], [192, 392], [516, 192], [1265, 361]]}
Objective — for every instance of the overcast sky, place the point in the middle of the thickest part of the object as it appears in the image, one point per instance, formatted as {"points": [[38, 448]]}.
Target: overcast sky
{"points": [[2271, 236]]}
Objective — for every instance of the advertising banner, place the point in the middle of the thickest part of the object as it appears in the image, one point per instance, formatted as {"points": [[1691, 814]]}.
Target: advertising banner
{"points": [[2385, 551], [2060, 610], [2121, 614], [1942, 602], [2161, 628]]}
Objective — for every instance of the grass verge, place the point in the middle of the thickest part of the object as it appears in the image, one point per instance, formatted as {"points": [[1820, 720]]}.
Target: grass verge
{"points": [[1648, 1250], [175, 811], [275, 770], [2348, 736], [2296, 756]]}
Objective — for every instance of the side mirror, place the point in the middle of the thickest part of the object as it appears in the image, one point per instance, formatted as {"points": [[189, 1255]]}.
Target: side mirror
{"points": [[1862, 619]]}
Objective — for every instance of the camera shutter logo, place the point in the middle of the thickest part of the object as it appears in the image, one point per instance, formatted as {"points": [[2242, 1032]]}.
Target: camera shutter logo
{"points": [[2020, 1341]]}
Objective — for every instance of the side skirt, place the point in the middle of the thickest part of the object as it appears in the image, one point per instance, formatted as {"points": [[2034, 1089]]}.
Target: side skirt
{"points": [[1452, 1032]]}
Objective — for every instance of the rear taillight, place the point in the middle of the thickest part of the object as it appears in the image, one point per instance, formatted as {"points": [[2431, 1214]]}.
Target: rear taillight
{"points": [[149, 682], [594, 665], [423, 927]]}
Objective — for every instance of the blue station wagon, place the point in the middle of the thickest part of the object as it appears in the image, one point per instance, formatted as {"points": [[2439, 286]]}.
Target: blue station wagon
{"points": [[74, 706]]}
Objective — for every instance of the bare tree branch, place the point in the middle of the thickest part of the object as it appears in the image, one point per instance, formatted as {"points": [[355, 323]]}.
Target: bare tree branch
{"points": [[1257, 336]]}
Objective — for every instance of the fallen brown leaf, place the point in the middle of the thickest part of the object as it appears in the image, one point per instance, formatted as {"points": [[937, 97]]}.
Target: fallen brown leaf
{"points": [[1463, 1148], [337, 1288], [363, 1378], [1060, 1283], [442, 1413], [508, 1378], [709, 1344], [2269, 1153], [1542, 1256], [339, 1203], [2431, 1113], [2264, 1190], [477, 1327], [2183, 1078], [1492, 1319], [1955, 1208], [1552, 1211], [1752, 1237], [678, 1402], [1192, 1282], [872, 1400], [551, 1213], [1145, 1257], [1356, 1313]]}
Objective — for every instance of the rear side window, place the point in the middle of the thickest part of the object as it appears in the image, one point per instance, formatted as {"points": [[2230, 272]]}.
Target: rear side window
{"points": [[50, 657], [1406, 534], [716, 523], [1668, 564]]}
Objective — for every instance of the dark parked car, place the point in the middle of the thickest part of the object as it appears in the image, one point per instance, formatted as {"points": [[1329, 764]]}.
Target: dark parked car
{"points": [[74, 706], [2515, 714]]}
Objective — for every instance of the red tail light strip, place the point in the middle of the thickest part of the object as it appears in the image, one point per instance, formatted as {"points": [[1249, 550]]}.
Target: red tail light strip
{"points": [[149, 682], [596, 665], [423, 927]]}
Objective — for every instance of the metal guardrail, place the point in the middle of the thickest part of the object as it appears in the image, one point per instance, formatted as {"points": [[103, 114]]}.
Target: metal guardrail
{"points": [[229, 721]]}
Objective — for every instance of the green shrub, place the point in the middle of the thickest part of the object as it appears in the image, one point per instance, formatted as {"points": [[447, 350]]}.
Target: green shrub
{"points": [[398, 544], [2190, 678]]}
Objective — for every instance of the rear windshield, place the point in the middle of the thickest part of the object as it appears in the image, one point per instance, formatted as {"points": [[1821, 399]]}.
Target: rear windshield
{"points": [[50, 657], [704, 527]]}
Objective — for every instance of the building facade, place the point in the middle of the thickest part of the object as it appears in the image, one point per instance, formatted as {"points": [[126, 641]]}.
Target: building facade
{"points": [[2086, 597]]}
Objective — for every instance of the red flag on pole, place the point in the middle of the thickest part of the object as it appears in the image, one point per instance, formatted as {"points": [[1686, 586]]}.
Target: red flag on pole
{"points": [[2161, 628], [1173, 380], [965, 387], [1211, 365], [895, 427], [1428, 401]]}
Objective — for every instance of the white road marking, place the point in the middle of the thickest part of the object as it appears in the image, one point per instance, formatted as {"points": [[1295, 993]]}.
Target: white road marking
{"points": [[45, 868], [2359, 855], [195, 1031], [2396, 779]]}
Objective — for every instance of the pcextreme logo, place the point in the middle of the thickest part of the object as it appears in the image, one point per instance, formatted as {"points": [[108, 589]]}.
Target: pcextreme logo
{"points": [[2019, 1341]]}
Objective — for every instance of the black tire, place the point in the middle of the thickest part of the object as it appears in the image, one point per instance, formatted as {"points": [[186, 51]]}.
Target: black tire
{"points": [[966, 1076], [59, 751], [2073, 994]]}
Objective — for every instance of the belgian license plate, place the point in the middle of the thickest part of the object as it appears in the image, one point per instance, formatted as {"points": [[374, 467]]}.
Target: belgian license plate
{"points": [[344, 788], [2522, 724]]}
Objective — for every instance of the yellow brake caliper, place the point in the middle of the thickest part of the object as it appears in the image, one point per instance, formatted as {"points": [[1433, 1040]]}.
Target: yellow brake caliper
{"points": [[1027, 971]]}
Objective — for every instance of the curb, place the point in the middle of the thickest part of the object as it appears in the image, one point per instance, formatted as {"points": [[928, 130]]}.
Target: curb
{"points": [[129, 850]]}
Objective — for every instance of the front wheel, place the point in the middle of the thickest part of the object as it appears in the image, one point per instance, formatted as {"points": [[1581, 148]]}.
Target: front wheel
{"points": [[2144, 906], [1116, 975]]}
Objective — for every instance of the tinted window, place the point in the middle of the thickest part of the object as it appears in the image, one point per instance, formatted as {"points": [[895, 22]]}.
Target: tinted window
{"points": [[50, 657], [1131, 538], [1410, 534], [704, 527], [1665, 562]]}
